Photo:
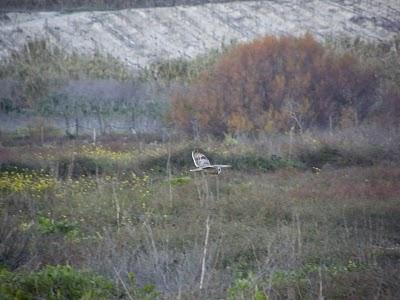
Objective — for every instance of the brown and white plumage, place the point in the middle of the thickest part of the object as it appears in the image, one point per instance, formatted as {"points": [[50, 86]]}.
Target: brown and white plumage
{"points": [[203, 164]]}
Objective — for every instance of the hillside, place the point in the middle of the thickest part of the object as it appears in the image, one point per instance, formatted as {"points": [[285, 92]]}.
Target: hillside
{"points": [[140, 36]]}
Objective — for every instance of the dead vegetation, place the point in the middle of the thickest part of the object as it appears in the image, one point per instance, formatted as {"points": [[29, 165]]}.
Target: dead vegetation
{"points": [[275, 234]]}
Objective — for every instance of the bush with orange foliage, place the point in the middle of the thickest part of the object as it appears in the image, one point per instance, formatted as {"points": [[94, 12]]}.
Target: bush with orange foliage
{"points": [[273, 84]]}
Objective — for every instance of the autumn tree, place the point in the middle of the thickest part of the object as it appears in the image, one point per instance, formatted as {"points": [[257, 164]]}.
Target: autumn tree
{"points": [[273, 84]]}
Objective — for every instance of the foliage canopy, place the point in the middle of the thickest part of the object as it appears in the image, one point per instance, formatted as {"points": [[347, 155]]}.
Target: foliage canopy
{"points": [[274, 84]]}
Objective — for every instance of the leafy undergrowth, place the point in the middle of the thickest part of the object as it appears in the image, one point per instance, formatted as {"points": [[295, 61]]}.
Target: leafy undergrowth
{"points": [[55, 282], [88, 160], [112, 222], [73, 159]]}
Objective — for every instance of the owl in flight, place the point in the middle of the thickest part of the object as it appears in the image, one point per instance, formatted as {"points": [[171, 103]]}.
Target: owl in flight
{"points": [[203, 164]]}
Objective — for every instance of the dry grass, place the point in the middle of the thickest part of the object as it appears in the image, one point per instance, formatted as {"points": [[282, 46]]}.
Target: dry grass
{"points": [[287, 233]]}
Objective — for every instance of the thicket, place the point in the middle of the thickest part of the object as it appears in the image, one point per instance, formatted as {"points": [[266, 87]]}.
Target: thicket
{"points": [[273, 235], [275, 84], [55, 282], [384, 57], [182, 70], [131, 211], [266, 86], [45, 80], [39, 68]]}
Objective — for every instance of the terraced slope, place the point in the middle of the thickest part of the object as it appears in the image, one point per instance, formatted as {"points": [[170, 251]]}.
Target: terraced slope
{"points": [[140, 36]]}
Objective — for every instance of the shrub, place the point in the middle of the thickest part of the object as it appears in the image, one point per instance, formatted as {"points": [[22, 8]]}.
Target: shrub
{"points": [[260, 163], [246, 288], [320, 156], [14, 243], [147, 292], [180, 69], [55, 282], [49, 226], [78, 166], [39, 67], [332, 155], [179, 159], [273, 84]]}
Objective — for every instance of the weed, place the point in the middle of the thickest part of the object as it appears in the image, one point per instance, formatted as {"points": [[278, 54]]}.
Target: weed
{"points": [[275, 230], [55, 282]]}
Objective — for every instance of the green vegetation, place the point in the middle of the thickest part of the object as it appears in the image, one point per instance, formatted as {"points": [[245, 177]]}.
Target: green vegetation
{"points": [[294, 217], [303, 213], [55, 282], [181, 69], [39, 67], [48, 82], [238, 90]]}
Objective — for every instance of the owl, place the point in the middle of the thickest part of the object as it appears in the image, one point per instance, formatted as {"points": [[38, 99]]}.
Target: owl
{"points": [[203, 164]]}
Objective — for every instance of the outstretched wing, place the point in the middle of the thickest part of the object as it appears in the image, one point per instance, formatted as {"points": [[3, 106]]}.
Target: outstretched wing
{"points": [[222, 166], [200, 160], [196, 170]]}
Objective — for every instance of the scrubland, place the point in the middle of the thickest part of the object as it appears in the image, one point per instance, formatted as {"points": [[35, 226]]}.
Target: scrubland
{"points": [[304, 217], [309, 209]]}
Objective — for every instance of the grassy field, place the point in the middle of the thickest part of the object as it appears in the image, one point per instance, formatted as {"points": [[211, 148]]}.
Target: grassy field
{"points": [[307, 217]]}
